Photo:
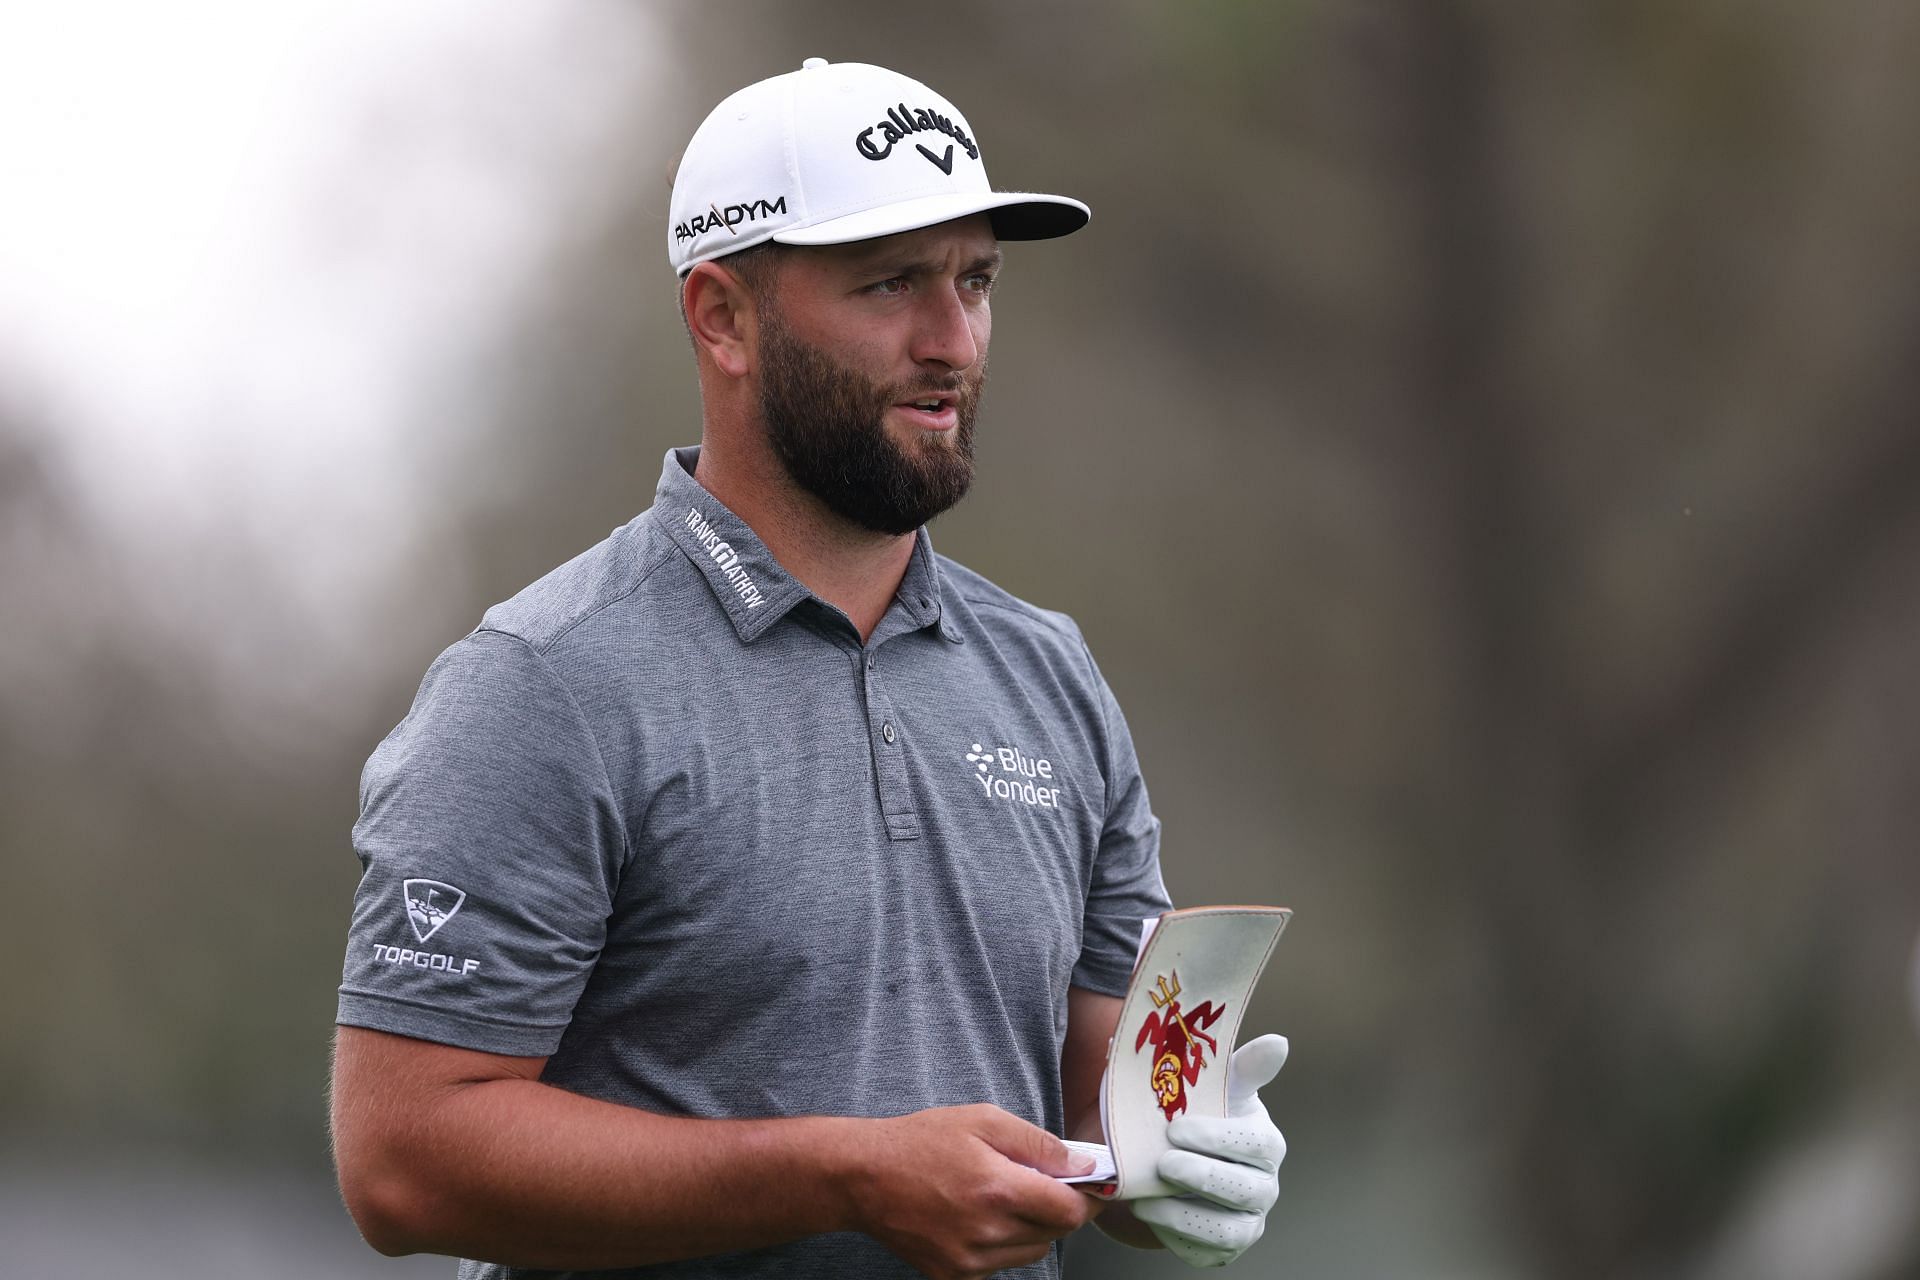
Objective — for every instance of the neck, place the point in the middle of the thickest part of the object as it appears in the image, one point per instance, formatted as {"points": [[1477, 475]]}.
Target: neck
{"points": [[854, 569]]}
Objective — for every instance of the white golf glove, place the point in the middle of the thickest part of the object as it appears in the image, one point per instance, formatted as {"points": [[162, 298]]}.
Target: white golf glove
{"points": [[1230, 1168]]}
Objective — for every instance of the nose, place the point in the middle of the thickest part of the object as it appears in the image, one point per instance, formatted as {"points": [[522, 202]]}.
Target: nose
{"points": [[949, 329]]}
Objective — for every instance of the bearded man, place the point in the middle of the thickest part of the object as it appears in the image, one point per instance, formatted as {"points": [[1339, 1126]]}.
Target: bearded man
{"points": [[753, 894]]}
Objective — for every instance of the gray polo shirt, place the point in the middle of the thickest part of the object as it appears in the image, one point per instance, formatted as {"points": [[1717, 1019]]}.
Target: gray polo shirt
{"points": [[664, 819]]}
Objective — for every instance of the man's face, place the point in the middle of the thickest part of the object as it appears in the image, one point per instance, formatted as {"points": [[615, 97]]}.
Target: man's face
{"points": [[872, 359]]}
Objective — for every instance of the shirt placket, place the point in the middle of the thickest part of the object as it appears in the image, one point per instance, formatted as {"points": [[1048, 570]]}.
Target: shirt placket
{"points": [[888, 742]]}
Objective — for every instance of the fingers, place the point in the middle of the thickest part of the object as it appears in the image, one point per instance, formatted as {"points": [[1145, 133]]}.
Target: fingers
{"points": [[1233, 1186], [1031, 1145], [1244, 1139], [989, 1253], [1253, 1065], [1051, 1207], [965, 1192], [1035, 1197], [1228, 1169], [1201, 1234]]}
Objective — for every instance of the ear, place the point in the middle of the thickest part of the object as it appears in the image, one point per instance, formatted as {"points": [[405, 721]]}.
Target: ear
{"points": [[720, 316]]}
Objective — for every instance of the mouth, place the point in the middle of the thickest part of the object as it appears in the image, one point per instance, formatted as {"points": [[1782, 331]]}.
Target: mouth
{"points": [[934, 411]]}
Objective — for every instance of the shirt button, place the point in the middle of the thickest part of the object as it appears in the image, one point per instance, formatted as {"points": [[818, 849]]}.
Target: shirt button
{"points": [[869, 662], [886, 731]]}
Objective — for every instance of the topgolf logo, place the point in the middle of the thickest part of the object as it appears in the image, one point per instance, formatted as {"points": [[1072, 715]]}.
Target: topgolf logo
{"points": [[430, 904]]}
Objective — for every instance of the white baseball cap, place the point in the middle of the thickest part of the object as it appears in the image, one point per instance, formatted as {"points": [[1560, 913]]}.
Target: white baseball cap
{"points": [[836, 152]]}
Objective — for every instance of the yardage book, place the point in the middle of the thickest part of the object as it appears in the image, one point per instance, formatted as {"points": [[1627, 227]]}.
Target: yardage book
{"points": [[1178, 1025]]}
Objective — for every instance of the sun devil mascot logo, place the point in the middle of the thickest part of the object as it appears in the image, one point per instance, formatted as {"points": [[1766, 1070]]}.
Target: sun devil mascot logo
{"points": [[1180, 1044]]}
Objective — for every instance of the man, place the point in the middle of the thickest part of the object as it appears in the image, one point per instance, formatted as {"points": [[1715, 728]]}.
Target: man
{"points": [[753, 895]]}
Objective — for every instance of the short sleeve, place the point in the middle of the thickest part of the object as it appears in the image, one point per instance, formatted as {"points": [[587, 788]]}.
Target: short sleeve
{"points": [[1126, 887], [491, 847]]}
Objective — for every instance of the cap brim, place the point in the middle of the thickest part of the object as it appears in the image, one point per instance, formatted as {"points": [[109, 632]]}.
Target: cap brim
{"points": [[1016, 215]]}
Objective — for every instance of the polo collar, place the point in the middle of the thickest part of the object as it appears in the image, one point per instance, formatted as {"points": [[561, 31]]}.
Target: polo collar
{"points": [[918, 598], [749, 583]]}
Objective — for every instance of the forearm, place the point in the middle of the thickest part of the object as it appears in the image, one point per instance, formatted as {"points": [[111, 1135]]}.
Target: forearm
{"points": [[448, 1150], [523, 1173]]}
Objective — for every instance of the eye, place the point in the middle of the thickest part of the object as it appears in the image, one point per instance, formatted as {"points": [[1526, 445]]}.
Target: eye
{"points": [[979, 282], [890, 287]]}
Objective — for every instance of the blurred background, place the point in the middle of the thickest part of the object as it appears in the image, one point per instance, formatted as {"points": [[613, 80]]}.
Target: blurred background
{"points": [[1478, 440]]}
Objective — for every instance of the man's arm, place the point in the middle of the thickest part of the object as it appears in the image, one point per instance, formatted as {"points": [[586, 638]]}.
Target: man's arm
{"points": [[447, 1150], [1091, 1019]]}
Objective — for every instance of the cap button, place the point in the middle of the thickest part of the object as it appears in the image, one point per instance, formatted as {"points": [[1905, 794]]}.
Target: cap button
{"points": [[813, 64]]}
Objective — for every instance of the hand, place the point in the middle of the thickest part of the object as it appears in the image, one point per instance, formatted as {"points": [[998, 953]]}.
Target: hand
{"points": [[963, 1192], [1230, 1168]]}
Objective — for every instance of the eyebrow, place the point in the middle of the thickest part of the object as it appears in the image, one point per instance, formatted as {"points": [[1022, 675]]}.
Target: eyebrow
{"points": [[928, 266]]}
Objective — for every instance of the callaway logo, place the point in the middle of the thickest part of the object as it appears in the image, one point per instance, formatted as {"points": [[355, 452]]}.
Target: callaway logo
{"points": [[430, 905], [903, 120], [716, 218], [993, 764]]}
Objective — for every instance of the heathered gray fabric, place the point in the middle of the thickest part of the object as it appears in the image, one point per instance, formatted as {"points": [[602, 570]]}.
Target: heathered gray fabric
{"points": [[703, 879]]}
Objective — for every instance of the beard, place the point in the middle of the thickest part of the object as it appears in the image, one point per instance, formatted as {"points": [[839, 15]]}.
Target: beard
{"points": [[827, 425]]}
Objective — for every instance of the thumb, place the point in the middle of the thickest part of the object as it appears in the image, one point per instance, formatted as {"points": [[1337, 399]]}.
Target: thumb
{"points": [[1033, 1147], [1253, 1065]]}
